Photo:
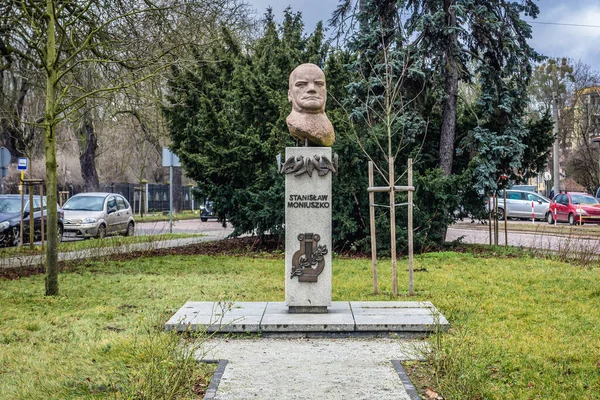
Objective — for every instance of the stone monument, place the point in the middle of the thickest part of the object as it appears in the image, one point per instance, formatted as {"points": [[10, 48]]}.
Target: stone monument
{"points": [[308, 202]]}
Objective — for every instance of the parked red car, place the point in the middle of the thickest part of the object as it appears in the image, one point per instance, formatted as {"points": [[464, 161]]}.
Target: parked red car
{"points": [[572, 207]]}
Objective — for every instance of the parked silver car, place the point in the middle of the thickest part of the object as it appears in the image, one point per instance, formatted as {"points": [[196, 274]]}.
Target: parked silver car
{"points": [[97, 215], [519, 204]]}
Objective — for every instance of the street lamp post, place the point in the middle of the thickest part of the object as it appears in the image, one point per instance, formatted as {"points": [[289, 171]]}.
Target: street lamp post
{"points": [[597, 140]]}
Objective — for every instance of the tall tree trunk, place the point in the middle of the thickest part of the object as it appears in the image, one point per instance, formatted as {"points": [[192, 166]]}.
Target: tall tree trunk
{"points": [[50, 147], [88, 144], [13, 138], [448, 128]]}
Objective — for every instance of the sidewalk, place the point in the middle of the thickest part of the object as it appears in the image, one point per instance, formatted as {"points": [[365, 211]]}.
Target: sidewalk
{"points": [[312, 368], [25, 260], [211, 232]]}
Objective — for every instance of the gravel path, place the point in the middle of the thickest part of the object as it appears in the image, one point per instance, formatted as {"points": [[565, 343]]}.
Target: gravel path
{"points": [[311, 368]]}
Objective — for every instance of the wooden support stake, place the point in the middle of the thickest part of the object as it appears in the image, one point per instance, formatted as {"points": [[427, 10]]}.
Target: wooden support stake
{"points": [[142, 202], [393, 227], [490, 217], [496, 218], [388, 188], [21, 228], [30, 183], [373, 234], [42, 212], [392, 189], [505, 221], [31, 218], [63, 194], [411, 288]]}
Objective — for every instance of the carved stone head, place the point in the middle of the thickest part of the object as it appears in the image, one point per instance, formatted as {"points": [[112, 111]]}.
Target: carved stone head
{"points": [[308, 94], [307, 91]]}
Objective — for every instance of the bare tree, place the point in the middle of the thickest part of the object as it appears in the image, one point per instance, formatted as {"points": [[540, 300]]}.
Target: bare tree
{"points": [[61, 39], [17, 82], [582, 118]]}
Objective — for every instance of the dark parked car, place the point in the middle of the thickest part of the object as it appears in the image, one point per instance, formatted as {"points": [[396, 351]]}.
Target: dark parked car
{"points": [[574, 208], [206, 211], [10, 219]]}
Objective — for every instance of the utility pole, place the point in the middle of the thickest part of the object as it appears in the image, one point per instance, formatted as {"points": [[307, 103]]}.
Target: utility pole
{"points": [[556, 168]]}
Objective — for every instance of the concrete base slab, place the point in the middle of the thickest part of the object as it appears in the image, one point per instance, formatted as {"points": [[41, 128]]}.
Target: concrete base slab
{"points": [[412, 319], [278, 319]]}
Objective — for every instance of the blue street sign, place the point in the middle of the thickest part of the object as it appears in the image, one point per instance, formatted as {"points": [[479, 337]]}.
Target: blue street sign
{"points": [[23, 162], [4, 157], [169, 159]]}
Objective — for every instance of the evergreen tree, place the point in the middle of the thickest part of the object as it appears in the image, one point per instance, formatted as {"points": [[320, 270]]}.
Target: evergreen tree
{"points": [[227, 120], [480, 41], [538, 145]]}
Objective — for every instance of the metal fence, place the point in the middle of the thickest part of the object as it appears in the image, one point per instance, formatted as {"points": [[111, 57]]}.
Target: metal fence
{"points": [[157, 199]]}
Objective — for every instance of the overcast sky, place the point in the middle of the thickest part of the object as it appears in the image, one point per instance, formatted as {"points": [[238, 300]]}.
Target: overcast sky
{"points": [[576, 42]]}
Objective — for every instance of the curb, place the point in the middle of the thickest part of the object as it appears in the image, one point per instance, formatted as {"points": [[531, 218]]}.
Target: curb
{"points": [[408, 385], [211, 391]]}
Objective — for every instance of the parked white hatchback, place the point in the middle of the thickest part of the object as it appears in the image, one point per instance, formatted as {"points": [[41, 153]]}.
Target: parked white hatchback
{"points": [[521, 204], [97, 215]]}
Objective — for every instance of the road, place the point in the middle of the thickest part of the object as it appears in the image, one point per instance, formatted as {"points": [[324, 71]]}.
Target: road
{"points": [[477, 233]]}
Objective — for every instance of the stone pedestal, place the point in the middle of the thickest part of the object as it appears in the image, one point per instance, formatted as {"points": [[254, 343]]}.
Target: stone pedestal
{"points": [[308, 243]]}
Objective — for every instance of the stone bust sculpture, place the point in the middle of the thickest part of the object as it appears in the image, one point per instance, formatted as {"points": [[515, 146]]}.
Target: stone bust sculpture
{"points": [[308, 94]]}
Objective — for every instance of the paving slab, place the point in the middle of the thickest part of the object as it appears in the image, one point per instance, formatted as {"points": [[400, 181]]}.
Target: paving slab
{"points": [[218, 317], [397, 317]]}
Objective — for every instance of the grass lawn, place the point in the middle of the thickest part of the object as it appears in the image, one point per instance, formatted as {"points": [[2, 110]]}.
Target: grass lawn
{"points": [[521, 327]]}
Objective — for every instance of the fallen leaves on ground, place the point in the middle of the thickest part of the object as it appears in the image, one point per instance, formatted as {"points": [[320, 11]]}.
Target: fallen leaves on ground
{"points": [[432, 394]]}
